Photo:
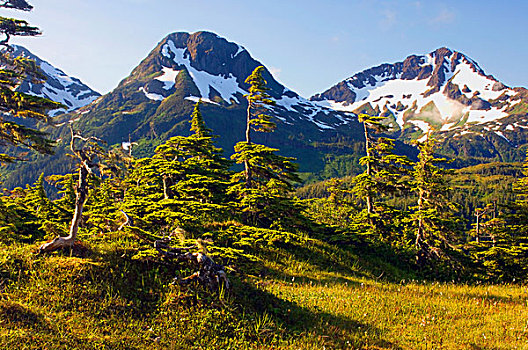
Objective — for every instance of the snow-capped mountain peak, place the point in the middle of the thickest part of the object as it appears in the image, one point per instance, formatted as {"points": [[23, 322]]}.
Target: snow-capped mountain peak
{"points": [[58, 86], [205, 66], [443, 90]]}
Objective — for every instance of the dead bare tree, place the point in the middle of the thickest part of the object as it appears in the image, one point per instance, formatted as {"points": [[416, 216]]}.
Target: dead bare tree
{"points": [[88, 155], [209, 274], [479, 213]]}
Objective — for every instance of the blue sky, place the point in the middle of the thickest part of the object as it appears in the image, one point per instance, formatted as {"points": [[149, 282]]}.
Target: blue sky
{"points": [[309, 45]]}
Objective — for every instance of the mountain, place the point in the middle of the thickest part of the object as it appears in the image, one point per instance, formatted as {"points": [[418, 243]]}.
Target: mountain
{"points": [[155, 102], [475, 117], [57, 85], [444, 92], [160, 92]]}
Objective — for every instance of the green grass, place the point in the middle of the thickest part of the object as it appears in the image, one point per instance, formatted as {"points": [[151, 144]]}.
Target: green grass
{"points": [[300, 295]]}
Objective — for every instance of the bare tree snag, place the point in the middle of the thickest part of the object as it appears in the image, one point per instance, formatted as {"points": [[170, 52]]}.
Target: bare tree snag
{"points": [[478, 214], [87, 155], [128, 221], [209, 274]]}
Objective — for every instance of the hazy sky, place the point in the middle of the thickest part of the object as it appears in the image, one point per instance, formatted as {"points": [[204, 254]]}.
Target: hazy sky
{"points": [[309, 45]]}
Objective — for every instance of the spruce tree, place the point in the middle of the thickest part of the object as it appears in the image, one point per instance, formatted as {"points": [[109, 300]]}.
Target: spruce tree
{"points": [[268, 177], [433, 219], [366, 187], [256, 119], [183, 185], [504, 256], [16, 107], [385, 175], [268, 199]]}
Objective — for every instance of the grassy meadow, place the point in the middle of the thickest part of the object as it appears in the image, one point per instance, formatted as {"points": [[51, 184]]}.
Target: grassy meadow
{"points": [[305, 294]]}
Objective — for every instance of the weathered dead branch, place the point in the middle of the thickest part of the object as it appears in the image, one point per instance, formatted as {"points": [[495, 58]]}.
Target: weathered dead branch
{"points": [[209, 274]]}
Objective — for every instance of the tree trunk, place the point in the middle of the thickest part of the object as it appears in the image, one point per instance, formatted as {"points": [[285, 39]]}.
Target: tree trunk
{"points": [[247, 167], [370, 206], [80, 199], [478, 227], [165, 188], [418, 243], [209, 274]]}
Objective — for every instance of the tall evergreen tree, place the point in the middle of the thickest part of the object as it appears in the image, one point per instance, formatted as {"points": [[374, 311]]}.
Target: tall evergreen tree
{"points": [[256, 119], [16, 106], [367, 188], [433, 220], [384, 170], [268, 177], [183, 184], [385, 175]]}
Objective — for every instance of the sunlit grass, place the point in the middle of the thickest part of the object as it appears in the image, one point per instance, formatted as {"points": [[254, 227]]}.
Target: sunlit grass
{"points": [[309, 296]]}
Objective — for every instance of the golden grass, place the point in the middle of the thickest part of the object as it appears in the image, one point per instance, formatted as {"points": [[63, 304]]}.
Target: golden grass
{"points": [[314, 296]]}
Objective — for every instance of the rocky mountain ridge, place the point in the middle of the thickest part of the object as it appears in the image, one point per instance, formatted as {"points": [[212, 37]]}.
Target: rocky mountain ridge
{"points": [[445, 92], [57, 85], [160, 92]]}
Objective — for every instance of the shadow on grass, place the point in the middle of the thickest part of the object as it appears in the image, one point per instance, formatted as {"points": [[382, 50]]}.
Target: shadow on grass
{"points": [[519, 300], [357, 259], [126, 286], [18, 316], [39, 333], [297, 321]]}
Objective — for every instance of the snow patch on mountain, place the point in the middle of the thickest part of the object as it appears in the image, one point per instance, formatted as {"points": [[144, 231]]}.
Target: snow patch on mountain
{"points": [[227, 87], [168, 77], [430, 101], [196, 99], [240, 50], [309, 110], [489, 116], [58, 86], [151, 95]]}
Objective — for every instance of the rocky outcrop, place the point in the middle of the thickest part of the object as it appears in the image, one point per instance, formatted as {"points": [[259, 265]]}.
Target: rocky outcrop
{"points": [[338, 93]]}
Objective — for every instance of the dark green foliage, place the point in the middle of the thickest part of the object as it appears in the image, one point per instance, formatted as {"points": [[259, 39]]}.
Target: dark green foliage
{"points": [[267, 201], [183, 185], [503, 247], [386, 174], [15, 27], [263, 188], [18, 110], [28, 214], [433, 220], [16, 4], [257, 99]]}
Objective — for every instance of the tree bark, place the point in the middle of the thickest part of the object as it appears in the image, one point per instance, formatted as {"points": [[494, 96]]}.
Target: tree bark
{"points": [[165, 188], [370, 206], [80, 200], [85, 156], [247, 167], [418, 243]]}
